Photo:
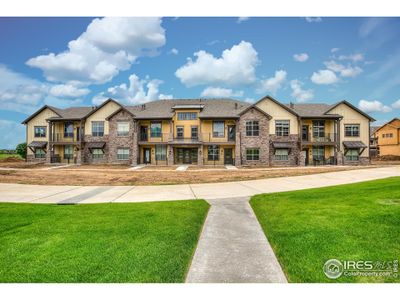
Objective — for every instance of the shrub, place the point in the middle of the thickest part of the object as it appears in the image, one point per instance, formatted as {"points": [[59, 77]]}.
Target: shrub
{"points": [[21, 150]]}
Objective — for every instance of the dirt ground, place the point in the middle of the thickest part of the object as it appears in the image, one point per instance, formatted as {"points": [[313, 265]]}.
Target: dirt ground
{"points": [[118, 176]]}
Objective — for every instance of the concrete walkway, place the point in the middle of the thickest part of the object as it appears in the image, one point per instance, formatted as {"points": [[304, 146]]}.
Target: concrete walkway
{"points": [[97, 194], [233, 248]]}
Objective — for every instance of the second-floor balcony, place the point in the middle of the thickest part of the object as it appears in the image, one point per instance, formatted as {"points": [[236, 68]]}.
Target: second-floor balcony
{"points": [[319, 138], [65, 138]]}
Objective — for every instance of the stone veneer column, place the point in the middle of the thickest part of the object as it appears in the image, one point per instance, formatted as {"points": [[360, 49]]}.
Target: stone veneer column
{"points": [[170, 155], [238, 161], [135, 146], [200, 155]]}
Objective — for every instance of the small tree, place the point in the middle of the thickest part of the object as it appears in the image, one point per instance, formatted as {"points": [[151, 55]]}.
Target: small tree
{"points": [[21, 150]]}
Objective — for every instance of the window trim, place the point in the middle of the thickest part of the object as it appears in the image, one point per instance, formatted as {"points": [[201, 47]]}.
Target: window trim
{"points": [[68, 155], [98, 156], [163, 154], [152, 135], [352, 126], [214, 155], [97, 133], [39, 136], [183, 132], [252, 155], [252, 128], [319, 129], [223, 129], [125, 133], [41, 155], [282, 133], [118, 155], [281, 157], [182, 115], [352, 156], [197, 132], [68, 134]]}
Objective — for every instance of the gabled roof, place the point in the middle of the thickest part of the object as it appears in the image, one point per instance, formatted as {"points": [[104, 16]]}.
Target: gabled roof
{"points": [[119, 110], [256, 108], [351, 106], [101, 105], [71, 113], [389, 124], [278, 103], [38, 112], [312, 110]]}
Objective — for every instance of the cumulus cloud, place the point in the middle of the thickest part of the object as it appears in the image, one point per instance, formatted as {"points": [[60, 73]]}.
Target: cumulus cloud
{"points": [[12, 133], [138, 91], [302, 57], [218, 92], [68, 90], [272, 84], [173, 51], [324, 77], [373, 106], [298, 93], [396, 105], [236, 66], [108, 46], [313, 19], [242, 19], [333, 50], [356, 57], [344, 71]]}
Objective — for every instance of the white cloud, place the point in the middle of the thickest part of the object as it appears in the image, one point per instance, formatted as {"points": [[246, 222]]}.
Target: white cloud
{"points": [[12, 133], [272, 84], [298, 93], [302, 57], [373, 106], [242, 19], [324, 77], [333, 50], [356, 57], [369, 26], [68, 90], [344, 71], [138, 91], [218, 92], [108, 46], [313, 19], [396, 105], [236, 66], [173, 51]]}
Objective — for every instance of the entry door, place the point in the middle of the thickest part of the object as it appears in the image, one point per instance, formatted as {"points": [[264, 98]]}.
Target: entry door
{"points": [[146, 155], [304, 132], [231, 132], [228, 159], [143, 133], [187, 156]]}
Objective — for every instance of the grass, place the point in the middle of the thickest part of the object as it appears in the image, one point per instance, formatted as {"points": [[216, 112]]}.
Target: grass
{"points": [[5, 156], [136, 242], [348, 222]]}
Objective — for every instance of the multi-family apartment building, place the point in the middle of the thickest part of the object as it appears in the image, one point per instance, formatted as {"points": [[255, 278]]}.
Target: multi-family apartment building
{"points": [[387, 138], [201, 132]]}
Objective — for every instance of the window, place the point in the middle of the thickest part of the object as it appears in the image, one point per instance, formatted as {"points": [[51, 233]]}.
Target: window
{"points": [[98, 128], [387, 135], [318, 153], [187, 116], [252, 128], [39, 153], [194, 132], [318, 128], [351, 130], [352, 155], [122, 128], [68, 151], [97, 154], [218, 129], [213, 152], [253, 154], [281, 154], [155, 129], [68, 129], [40, 131], [161, 152], [122, 153], [179, 132], [282, 127]]}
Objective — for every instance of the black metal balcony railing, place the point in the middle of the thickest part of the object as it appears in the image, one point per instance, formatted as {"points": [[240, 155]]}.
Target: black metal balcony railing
{"points": [[320, 138], [62, 137], [155, 137], [213, 137]]}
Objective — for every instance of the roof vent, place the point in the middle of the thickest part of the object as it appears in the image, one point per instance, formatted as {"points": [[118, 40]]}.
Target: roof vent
{"points": [[291, 105], [143, 106], [236, 106], [94, 107]]}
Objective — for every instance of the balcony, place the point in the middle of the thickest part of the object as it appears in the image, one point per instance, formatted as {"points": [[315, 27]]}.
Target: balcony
{"points": [[185, 140], [65, 138], [214, 138], [321, 138], [146, 137]]}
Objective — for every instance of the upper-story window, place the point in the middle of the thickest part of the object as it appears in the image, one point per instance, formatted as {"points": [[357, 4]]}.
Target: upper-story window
{"points": [[98, 128], [68, 129], [194, 132], [187, 115], [319, 128], [252, 128], [179, 132], [40, 131], [122, 128], [282, 127], [387, 135], [155, 129], [218, 129], [352, 130]]}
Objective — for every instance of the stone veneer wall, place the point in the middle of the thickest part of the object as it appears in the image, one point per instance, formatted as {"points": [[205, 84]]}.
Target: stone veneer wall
{"points": [[87, 156], [116, 141], [243, 142], [294, 151]]}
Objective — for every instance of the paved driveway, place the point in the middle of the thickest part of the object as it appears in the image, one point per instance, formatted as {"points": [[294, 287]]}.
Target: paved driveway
{"points": [[99, 194]]}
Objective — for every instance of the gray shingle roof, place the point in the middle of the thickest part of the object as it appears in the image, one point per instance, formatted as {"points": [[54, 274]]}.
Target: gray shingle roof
{"points": [[354, 144], [312, 109], [72, 112], [37, 144]]}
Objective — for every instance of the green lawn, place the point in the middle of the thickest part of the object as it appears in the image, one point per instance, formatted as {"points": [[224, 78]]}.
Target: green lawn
{"points": [[136, 242], [4, 156], [348, 222]]}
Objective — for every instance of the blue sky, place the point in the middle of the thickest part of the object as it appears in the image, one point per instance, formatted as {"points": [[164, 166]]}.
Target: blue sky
{"points": [[82, 61]]}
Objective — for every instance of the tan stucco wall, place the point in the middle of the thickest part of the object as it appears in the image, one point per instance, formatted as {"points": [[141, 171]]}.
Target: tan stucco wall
{"points": [[389, 128], [39, 120], [165, 130], [221, 155], [389, 150], [329, 126], [351, 116], [207, 130], [101, 115], [278, 113], [187, 124]]}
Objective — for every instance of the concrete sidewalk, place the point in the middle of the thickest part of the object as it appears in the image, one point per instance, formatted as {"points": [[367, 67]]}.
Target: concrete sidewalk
{"points": [[233, 248], [99, 194]]}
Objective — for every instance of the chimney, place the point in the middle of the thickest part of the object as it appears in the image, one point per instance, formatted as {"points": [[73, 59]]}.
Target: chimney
{"points": [[236, 105], [291, 105]]}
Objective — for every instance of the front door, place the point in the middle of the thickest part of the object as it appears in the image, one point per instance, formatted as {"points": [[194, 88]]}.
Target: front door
{"points": [[305, 150], [228, 159], [231, 132], [187, 156], [304, 132], [78, 133], [143, 133], [146, 155]]}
